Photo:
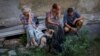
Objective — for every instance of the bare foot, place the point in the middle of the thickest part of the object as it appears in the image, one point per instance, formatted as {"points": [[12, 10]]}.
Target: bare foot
{"points": [[35, 44], [27, 45]]}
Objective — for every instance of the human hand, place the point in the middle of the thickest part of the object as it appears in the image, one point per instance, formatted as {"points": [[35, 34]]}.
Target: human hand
{"points": [[74, 29], [35, 44], [57, 24]]}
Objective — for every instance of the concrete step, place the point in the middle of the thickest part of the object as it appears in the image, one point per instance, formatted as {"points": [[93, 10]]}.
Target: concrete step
{"points": [[11, 31]]}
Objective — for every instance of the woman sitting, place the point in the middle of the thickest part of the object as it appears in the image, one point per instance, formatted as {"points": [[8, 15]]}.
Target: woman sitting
{"points": [[53, 22], [35, 37]]}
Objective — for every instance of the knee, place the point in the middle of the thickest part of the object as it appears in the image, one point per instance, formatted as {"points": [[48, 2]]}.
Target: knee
{"points": [[66, 29], [79, 22], [43, 42], [43, 39]]}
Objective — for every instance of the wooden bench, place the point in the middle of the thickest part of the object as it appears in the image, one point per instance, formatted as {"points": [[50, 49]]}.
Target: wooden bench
{"points": [[16, 30]]}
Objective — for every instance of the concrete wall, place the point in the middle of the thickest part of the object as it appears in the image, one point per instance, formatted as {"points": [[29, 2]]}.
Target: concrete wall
{"points": [[9, 12], [84, 6], [89, 6], [9, 9]]}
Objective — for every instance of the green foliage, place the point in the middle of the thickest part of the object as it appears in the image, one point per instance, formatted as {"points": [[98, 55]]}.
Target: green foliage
{"points": [[76, 46], [73, 46], [23, 39], [33, 52], [97, 39]]}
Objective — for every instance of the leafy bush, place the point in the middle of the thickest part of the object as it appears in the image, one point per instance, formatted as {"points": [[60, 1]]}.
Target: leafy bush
{"points": [[97, 39], [73, 46], [23, 39], [76, 45]]}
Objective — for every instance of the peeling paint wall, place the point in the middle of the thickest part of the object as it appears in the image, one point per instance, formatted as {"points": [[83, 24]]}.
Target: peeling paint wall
{"points": [[9, 9], [9, 12], [84, 6], [89, 6]]}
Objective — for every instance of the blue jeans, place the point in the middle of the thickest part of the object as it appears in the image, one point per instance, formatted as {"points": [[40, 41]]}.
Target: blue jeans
{"points": [[33, 33]]}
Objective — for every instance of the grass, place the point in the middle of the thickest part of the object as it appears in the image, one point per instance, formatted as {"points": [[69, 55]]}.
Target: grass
{"points": [[23, 39], [76, 46], [97, 39], [73, 46]]}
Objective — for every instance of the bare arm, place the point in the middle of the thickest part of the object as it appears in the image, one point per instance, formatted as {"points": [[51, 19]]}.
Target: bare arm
{"points": [[80, 18], [71, 28], [48, 19], [68, 26], [30, 20]]}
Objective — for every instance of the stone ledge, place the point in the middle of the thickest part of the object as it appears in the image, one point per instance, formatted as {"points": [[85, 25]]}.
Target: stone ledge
{"points": [[11, 31]]}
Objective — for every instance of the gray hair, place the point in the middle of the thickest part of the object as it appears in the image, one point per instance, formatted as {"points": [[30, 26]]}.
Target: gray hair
{"points": [[26, 9]]}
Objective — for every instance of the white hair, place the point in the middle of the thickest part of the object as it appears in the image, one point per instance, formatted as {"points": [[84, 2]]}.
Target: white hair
{"points": [[26, 9]]}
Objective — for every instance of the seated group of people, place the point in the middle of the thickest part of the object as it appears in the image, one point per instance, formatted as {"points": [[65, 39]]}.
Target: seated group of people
{"points": [[55, 30]]}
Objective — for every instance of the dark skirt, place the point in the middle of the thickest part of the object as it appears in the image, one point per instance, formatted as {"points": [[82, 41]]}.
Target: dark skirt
{"points": [[59, 32], [57, 38]]}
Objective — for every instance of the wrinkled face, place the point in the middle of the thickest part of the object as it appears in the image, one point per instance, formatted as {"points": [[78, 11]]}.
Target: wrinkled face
{"points": [[26, 14], [56, 11], [70, 14]]}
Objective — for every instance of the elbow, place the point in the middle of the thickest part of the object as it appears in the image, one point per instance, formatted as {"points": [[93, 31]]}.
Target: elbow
{"points": [[49, 22], [81, 17]]}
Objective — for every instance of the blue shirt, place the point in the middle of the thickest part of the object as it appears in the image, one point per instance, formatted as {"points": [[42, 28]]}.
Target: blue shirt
{"points": [[69, 19]]}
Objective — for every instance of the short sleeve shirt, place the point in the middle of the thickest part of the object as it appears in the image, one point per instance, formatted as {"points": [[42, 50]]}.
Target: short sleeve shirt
{"points": [[25, 20], [69, 19]]}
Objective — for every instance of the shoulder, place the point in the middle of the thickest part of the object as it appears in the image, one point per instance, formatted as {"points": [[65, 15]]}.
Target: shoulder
{"points": [[75, 12], [21, 17], [65, 14], [48, 14], [31, 14]]}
